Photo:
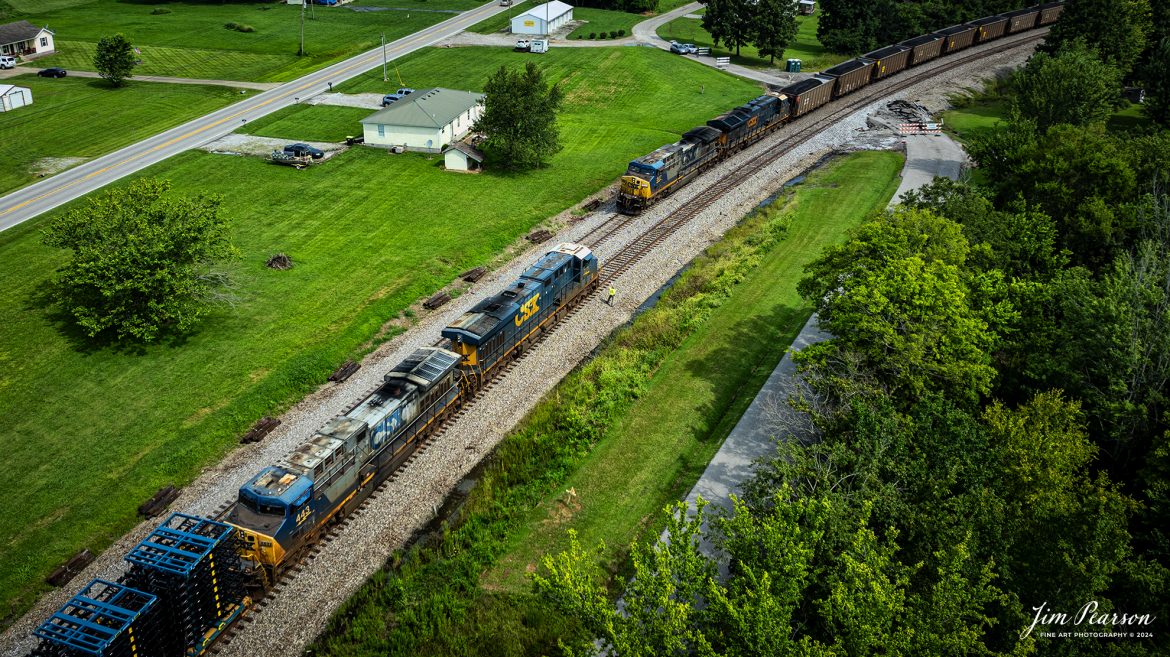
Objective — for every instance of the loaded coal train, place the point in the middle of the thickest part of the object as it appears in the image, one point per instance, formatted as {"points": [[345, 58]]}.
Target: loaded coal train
{"points": [[660, 173], [193, 577]]}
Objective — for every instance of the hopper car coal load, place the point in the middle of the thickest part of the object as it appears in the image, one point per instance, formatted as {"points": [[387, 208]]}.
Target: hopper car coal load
{"points": [[924, 48], [1022, 19], [658, 174], [956, 38], [1049, 13], [850, 76], [989, 29], [888, 61], [193, 577]]}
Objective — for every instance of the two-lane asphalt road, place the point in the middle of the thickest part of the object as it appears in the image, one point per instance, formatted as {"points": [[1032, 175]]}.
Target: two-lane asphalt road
{"points": [[42, 196]]}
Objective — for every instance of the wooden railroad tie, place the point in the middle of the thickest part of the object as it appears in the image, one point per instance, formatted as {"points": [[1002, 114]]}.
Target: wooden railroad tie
{"points": [[69, 569], [436, 300], [473, 275], [346, 370], [159, 502], [263, 427]]}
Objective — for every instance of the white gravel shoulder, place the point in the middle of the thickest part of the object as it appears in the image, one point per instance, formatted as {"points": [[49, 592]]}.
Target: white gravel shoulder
{"points": [[300, 612]]}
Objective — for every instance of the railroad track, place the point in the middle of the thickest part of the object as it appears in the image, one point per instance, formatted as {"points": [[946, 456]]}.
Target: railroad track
{"points": [[809, 126], [617, 265]]}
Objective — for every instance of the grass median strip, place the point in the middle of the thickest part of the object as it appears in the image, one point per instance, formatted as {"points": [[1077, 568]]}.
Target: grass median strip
{"points": [[620, 437], [75, 119]]}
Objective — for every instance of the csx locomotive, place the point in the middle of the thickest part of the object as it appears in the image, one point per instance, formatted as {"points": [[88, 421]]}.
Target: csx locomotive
{"points": [[668, 168], [193, 577]]}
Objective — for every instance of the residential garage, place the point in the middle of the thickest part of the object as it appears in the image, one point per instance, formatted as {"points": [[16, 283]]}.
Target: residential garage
{"points": [[12, 97], [543, 19], [426, 120]]}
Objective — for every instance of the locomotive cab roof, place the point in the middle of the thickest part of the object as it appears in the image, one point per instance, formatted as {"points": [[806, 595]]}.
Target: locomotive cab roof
{"points": [[277, 485]]}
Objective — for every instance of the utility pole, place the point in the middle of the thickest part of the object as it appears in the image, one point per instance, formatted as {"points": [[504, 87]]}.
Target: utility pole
{"points": [[301, 53], [384, 76]]}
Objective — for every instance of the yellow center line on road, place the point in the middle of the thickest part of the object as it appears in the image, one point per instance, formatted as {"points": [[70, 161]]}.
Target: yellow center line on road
{"points": [[372, 57]]}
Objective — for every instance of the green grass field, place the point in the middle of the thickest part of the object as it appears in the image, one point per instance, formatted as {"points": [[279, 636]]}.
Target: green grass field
{"points": [[979, 116], [49, 127], [661, 446], [310, 123], [813, 56], [91, 432], [191, 40]]}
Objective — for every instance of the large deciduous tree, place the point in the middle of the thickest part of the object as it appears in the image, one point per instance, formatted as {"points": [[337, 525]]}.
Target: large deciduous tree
{"points": [[520, 118], [114, 59], [1157, 76], [730, 22], [774, 27], [1117, 30], [1072, 86], [143, 260]]}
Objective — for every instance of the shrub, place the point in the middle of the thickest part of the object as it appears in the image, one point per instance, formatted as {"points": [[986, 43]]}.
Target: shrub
{"points": [[592, 35], [601, 35], [158, 11], [613, 34], [621, 33], [239, 27]]}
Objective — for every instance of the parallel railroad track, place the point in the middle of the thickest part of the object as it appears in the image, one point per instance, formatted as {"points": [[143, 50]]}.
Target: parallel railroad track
{"points": [[617, 265]]}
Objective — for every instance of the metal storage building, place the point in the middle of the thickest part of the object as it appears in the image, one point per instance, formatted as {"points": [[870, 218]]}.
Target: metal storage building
{"points": [[543, 19], [426, 120], [12, 97]]}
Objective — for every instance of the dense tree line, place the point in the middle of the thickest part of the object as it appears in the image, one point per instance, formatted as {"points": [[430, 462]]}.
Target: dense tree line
{"points": [[993, 422], [769, 25], [850, 27]]}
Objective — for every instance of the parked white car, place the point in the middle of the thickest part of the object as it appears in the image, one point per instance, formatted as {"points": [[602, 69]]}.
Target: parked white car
{"points": [[7, 61]]}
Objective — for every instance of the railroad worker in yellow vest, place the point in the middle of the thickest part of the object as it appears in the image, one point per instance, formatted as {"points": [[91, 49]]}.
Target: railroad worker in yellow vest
{"points": [[612, 292]]}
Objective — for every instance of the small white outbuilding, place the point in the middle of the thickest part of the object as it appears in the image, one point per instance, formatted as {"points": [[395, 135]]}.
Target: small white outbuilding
{"points": [[12, 97], [543, 19], [462, 156]]}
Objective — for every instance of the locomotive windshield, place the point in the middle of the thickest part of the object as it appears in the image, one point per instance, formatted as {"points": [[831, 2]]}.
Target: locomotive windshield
{"points": [[263, 508]]}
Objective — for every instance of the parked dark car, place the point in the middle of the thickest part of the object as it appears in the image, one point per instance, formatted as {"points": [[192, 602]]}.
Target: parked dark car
{"points": [[397, 95], [301, 150], [55, 72]]}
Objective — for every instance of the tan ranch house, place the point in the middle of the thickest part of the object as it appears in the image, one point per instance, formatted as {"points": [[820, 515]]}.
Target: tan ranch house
{"points": [[25, 39], [426, 120]]}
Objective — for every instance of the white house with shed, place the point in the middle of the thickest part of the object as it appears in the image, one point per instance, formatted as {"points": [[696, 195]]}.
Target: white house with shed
{"points": [[426, 120], [12, 97], [543, 19], [25, 39]]}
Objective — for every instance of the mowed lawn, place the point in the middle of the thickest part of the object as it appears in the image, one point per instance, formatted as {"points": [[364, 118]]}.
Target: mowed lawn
{"points": [[49, 128], [91, 432], [657, 451], [192, 40], [313, 123], [806, 47]]}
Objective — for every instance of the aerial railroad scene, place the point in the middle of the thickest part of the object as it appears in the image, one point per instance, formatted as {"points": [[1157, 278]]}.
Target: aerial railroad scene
{"points": [[611, 327]]}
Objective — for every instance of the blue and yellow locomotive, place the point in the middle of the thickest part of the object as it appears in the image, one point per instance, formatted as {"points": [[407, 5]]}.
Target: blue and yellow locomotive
{"points": [[286, 506], [504, 324]]}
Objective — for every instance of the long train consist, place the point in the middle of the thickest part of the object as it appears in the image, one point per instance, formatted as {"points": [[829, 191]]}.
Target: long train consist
{"points": [[193, 577], [660, 173]]}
